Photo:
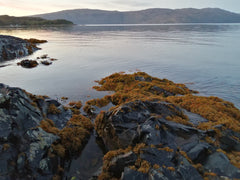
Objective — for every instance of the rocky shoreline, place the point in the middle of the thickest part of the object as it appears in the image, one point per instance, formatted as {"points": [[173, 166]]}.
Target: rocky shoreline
{"points": [[13, 47], [38, 135], [155, 129]]}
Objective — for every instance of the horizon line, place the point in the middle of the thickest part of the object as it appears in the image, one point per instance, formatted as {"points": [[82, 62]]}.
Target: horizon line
{"points": [[122, 10]]}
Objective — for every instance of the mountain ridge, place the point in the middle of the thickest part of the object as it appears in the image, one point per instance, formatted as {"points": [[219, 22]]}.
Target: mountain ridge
{"points": [[146, 16]]}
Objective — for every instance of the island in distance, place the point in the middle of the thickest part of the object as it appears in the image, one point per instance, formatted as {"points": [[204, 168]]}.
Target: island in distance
{"points": [[148, 16], [6, 20]]}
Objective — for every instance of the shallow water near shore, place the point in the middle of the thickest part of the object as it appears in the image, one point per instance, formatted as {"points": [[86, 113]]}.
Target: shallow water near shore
{"points": [[204, 56]]}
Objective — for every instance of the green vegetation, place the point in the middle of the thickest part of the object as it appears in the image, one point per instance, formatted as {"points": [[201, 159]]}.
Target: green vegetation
{"points": [[6, 20]]}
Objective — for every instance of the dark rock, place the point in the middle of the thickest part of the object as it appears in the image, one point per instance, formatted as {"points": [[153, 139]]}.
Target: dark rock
{"points": [[53, 101], [60, 120], [195, 119], [228, 142], [13, 47], [157, 90], [21, 163], [133, 122], [199, 152], [7, 158], [141, 78], [133, 175], [177, 147], [119, 162], [23, 145], [160, 157], [16, 112], [28, 63], [47, 63], [39, 142], [171, 165], [220, 164], [186, 170], [187, 144]]}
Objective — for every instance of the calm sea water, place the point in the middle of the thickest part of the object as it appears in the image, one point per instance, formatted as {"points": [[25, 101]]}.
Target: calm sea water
{"points": [[204, 56]]}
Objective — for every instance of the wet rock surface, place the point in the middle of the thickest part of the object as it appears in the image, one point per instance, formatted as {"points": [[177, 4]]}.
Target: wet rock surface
{"points": [[13, 47], [26, 149], [154, 134], [151, 129], [172, 150], [44, 60], [28, 63]]}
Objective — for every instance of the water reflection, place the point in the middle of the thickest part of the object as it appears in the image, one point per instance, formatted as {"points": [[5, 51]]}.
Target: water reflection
{"points": [[206, 54], [199, 27]]}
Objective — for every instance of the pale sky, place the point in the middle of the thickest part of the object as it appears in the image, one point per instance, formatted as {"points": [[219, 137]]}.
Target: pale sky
{"points": [[31, 7]]}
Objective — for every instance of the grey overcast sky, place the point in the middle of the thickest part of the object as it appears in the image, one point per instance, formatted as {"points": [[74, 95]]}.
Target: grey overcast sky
{"points": [[30, 7]]}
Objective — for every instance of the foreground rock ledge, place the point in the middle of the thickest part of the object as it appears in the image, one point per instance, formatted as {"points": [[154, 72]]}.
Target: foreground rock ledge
{"points": [[155, 129], [153, 134], [38, 136]]}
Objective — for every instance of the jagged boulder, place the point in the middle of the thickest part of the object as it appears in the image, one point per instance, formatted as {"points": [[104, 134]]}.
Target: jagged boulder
{"points": [[143, 121], [173, 144], [24, 145]]}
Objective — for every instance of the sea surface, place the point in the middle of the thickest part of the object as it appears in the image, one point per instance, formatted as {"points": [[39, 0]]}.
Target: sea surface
{"points": [[204, 56]]}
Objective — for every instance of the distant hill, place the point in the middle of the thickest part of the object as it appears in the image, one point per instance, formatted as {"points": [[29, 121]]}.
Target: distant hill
{"points": [[6, 20], [148, 16]]}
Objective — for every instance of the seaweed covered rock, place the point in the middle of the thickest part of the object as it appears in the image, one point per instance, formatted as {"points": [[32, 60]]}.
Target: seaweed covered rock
{"points": [[47, 63], [28, 63], [24, 144], [172, 143], [33, 130], [13, 47], [136, 86], [130, 123], [164, 136]]}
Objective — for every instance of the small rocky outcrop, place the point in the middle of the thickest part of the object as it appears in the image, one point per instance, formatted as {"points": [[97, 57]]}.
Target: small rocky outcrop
{"points": [[153, 134], [47, 63], [28, 63], [37, 134], [13, 47], [44, 60]]}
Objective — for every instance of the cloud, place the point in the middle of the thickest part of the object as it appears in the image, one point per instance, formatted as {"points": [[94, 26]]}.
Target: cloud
{"points": [[30, 7], [131, 3], [21, 6]]}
